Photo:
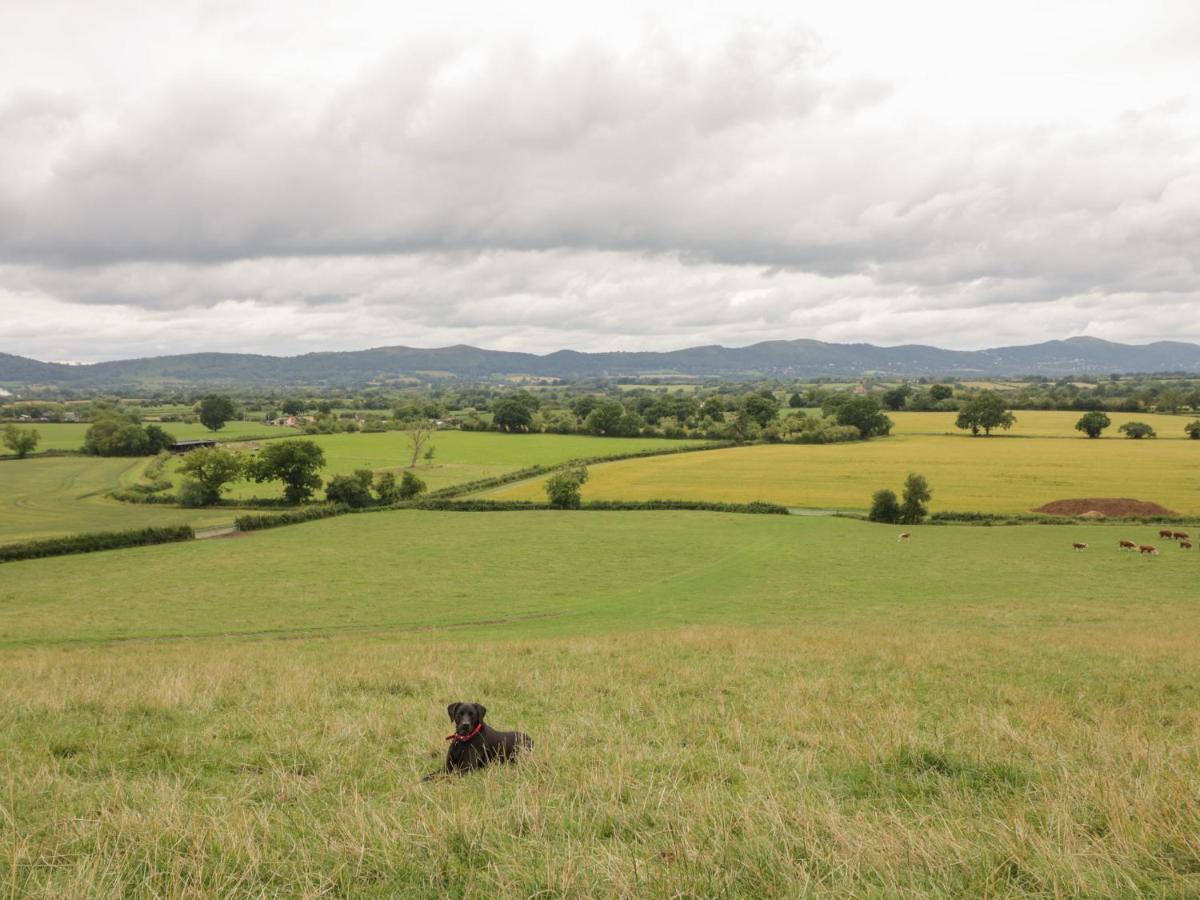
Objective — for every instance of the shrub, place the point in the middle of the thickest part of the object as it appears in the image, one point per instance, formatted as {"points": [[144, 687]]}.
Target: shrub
{"points": [[562, 488], [352, 490], [1192, 430], [410, 486], [1137, 430], [192, 494], [884, 507]]}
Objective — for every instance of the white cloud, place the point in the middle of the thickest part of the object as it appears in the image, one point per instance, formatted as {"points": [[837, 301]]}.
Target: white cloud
{"points": [[349, 175]]}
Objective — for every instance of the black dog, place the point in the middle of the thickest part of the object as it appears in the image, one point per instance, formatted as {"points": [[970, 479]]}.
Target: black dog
{"points": [[474, 744]]}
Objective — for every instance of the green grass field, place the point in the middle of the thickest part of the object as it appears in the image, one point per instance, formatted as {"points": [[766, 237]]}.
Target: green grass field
{"points": [[1004, 475], [69, 435], [459, 456], [721, 705], [42, 498]]}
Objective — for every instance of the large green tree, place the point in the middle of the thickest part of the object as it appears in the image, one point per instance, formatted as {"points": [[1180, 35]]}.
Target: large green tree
{"points": [[864, 413], [762, 408], [1137, 430], [20, 440], [211, 470], [1093, 423], [914, 506], [215, 410], [295, 463], [116, 433], [985, 411], [563, 488], [605, 418]]}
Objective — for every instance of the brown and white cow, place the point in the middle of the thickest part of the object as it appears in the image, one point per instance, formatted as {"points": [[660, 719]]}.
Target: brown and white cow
{"points": [[1185, 545], [905, 536], [1181, 536], [1147, 550], [1166, 533], [1127, 545], [1078, 546]]}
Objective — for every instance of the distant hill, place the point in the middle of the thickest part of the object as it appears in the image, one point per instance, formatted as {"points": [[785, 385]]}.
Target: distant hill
{"points": [[794, 359]]}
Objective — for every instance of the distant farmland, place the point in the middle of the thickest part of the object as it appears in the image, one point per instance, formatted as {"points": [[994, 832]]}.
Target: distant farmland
{"points": [[1003, 474]]}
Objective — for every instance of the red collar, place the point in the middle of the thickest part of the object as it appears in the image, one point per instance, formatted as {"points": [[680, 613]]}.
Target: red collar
{"points": [[463, 738]]}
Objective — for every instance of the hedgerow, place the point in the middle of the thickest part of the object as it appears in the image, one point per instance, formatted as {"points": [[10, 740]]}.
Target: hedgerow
{"points": [[95, 541]]}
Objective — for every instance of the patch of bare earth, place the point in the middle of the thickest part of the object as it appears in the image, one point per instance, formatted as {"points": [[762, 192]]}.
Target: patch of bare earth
{"points": [[1103, 507]]}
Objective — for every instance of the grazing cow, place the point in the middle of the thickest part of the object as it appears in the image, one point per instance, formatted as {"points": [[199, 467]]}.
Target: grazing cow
{"points": [[905, 536], [1147, 550], [1185, 545], [1078, 546], [1127, 545], [1181, 536], [1166, 533]]}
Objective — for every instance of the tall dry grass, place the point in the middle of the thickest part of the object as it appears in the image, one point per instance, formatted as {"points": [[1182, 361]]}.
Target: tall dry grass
{"points": [[713, 761]]}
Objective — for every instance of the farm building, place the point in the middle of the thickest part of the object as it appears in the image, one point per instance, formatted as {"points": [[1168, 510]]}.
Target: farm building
{"points": [[185, 446]]}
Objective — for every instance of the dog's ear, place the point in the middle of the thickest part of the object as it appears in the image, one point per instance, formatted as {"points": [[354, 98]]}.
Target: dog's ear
{"points": [[480, 712], [452, 710]]}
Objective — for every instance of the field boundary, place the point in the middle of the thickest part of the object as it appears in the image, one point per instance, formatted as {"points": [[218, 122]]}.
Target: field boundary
{"points": [[94, 542]]}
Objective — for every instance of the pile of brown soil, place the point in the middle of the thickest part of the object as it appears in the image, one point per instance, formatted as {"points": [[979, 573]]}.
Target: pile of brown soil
{"points": [[1096, 507]]}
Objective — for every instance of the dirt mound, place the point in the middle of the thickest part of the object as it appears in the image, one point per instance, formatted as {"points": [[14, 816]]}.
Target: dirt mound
{"points": [[1097, 507]]}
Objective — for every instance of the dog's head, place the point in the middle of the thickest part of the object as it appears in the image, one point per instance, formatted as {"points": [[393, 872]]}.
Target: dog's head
{"points": [[466, 716]]}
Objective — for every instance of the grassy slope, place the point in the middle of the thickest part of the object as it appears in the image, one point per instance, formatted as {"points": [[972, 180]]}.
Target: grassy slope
{"points": [[49, 497], [968, 474], [1018, 722]]}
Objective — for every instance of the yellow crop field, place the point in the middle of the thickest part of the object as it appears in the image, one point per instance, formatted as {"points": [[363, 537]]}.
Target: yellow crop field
{"points": [[1001, 474], [1042, 423]]}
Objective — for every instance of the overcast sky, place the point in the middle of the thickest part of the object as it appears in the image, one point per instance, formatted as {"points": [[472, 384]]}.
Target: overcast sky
{"points": [[286, 177]]}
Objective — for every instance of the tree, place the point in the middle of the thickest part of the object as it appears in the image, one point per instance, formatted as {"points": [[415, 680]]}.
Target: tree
{"points": [[938, 392], [116, 433], [562, 488], [605, 418], [916, 495], [884, 507], [796, 401], [215, 410], [864, 413], [510, 414], [353, 490], [1093, 423], [761, 409], [896, 397], [19, 440], [582, 406], [410, 486], [295, 463], [712, 408], [1192, 430], [209, 470], [292, 407], [986, 410], [1137, 430], [420, 433]]}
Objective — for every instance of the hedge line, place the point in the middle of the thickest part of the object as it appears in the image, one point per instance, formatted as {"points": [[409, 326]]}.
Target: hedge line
{"points": [[479, 505], [257, 521], [99, 540], [978, 518]]}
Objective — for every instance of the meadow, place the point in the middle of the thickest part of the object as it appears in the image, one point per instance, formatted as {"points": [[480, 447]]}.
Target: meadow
{"points": [[459, 456], [721, 705], [69, 435], [54, 496], [998, 474], [1043, 423]]}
